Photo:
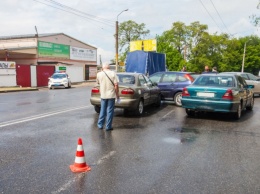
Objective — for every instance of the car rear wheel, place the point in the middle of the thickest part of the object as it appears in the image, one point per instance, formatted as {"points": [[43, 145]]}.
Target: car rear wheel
{"points": [[97, 109], [190, 112], [177, 98], [238, 113], [140, 108], [251, 105]]}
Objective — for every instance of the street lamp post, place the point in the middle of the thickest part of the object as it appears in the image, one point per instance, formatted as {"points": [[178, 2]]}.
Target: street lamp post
{"points": [[117, 39], [243, 62]]}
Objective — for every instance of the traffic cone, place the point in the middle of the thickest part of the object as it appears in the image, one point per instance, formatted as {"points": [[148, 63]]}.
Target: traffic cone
{"points": [[80, 164]]}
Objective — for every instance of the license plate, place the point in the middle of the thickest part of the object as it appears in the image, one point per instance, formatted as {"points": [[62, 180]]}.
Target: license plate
{"points": [[205, 94]]}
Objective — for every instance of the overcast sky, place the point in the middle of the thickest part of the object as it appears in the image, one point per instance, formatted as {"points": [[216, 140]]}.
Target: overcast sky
{"points": [[97, 28]]}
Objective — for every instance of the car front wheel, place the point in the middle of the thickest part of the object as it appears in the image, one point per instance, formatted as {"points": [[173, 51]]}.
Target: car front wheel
{"points": [[251, 105]]}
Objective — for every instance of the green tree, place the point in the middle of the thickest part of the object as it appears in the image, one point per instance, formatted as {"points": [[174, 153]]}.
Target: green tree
{"points": [[129, 31]]}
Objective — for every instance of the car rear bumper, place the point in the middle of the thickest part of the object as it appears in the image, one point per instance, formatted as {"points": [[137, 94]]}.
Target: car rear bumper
{"points": [[130, 104], [210, 106]]}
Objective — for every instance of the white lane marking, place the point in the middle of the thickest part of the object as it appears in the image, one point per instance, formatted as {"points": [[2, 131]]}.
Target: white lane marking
{"points": [[22, 120], [69, 183], [168, 114], [81, 175], [101, 160]]}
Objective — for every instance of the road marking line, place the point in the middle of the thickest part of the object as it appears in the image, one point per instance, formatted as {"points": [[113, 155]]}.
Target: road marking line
{"points": [[101, 160], [168, 114], [12, 122], [81, 175]]}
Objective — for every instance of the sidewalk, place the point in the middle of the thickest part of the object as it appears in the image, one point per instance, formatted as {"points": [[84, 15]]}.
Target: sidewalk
{"points": [[18, 89]]}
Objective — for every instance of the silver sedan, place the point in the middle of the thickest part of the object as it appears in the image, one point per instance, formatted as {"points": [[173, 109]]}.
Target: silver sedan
{"points": [[135, 90]]}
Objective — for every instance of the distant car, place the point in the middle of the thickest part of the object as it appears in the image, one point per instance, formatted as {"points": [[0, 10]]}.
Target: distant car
{"points": [[59, 80], [135, 91], [250, 79], [218, 93], [171, 84]]}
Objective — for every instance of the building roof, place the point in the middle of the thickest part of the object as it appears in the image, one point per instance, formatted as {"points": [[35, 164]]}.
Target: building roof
{"points": [[38, 36]]}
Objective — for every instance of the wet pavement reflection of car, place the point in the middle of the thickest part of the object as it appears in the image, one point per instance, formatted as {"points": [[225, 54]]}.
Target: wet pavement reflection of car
{"points": [[135, 90]]}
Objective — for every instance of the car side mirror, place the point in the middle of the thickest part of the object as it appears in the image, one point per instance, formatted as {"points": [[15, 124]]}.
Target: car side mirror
{"points": [[250, 86]]}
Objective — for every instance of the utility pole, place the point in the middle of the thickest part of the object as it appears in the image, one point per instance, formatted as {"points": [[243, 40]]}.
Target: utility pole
{"points": [[117, 39]]}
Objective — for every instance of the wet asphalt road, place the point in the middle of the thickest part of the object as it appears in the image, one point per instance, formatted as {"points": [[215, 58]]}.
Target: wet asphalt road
{"points": [[162, 152]]}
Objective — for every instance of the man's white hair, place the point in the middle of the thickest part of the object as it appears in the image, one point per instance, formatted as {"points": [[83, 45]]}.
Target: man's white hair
{"points": [[105, 64]]}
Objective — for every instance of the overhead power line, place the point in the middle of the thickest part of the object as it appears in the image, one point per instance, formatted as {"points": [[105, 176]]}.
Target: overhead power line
{"points": [[210, 15], [219, 16], [71, 10]]}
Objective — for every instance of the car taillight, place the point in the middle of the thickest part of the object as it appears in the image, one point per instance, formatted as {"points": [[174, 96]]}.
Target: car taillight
{"points": [[95, 90], [228, 95], [189, 77], [185, 92], [127, 91]]}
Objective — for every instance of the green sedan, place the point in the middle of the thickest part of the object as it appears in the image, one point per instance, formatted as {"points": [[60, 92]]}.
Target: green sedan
{"points": [[227, 93]]}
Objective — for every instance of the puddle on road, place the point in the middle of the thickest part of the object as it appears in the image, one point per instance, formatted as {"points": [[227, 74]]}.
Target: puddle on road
{"points": [[182, 135]]}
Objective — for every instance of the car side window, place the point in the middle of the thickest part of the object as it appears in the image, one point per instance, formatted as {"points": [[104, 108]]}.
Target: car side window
{"points": [[156, 77], [148, 81], [252, 77], [169, 77], [141, 80], [241, 82], [245, 76], [181, 78]]}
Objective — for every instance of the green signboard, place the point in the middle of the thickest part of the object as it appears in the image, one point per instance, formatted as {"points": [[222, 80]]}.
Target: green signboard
{"points": [[62, 68], [48, 49]]}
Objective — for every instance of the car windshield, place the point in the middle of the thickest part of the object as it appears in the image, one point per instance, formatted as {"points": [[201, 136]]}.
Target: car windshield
{"points": [[218, 81], [126, 79], [58, 76]]}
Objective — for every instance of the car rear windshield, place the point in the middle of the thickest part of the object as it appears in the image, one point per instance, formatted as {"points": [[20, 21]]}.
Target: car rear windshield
{"points": [[218, 81], [126, 79]]}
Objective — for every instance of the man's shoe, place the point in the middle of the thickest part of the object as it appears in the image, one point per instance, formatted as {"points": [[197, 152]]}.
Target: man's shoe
{"points": [[109, 129]]}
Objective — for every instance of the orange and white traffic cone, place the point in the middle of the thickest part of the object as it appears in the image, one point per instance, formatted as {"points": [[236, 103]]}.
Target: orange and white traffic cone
{"points": [[80, 164]]}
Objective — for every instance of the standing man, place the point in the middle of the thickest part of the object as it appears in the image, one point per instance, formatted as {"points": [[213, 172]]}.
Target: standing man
{"points": [[184, 69], [206, 70], [108, 82]]}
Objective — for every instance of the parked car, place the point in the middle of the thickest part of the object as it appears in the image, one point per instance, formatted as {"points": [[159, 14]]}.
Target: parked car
{"points": [[59, 80], [218, 93], [171, 84], [250, 79], [135, 91]]}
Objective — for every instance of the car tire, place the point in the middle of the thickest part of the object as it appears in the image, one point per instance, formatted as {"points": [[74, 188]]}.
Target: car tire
{"points": [[177, 99], [140, 108], [69, 85], [97, 109], [238, 113], [190, 112], [251, 105], [158, 102]]}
